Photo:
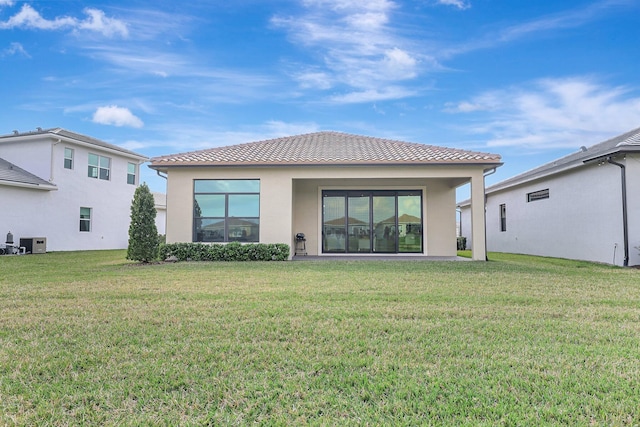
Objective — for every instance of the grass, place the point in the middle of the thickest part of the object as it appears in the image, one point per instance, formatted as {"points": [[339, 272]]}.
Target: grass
{"points": [[89, 338]]}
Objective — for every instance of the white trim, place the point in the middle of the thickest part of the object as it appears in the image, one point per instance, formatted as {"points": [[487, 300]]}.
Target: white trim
{"points": [[27, 185]]}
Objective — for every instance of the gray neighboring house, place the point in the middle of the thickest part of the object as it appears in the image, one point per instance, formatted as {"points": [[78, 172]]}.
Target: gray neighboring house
{"points": [[583, 206]]}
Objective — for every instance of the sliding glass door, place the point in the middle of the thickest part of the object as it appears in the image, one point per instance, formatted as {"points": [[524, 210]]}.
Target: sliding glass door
{"points": [[372, 221]]}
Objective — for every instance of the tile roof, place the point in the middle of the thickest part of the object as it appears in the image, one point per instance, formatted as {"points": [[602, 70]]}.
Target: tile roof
{"points": [[72, 136], [325, 148], [11, 174]]}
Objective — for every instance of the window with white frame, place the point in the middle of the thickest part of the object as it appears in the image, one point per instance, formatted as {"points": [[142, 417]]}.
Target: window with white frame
{"points": [[85, 219], [99, 167], [68, 158], [503, 217], [131, 173]]}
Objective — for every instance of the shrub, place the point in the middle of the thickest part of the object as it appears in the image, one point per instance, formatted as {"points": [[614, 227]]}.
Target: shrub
{"points": [[462, 243], [233, 251], [143, 234]]}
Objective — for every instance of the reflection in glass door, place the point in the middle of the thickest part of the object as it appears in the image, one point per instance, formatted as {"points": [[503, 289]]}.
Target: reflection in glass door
{"points": [[409, 223], [384, 224], [359, 224], [333, 224]]}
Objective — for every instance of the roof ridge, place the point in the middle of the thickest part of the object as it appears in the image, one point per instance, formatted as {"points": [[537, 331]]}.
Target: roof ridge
{"points": [[326, 147]]}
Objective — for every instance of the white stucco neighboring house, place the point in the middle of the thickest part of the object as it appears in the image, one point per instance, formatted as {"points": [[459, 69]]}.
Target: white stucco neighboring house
{"points": [[349, 195], [160, 203], [583, 206], [73, 190]]}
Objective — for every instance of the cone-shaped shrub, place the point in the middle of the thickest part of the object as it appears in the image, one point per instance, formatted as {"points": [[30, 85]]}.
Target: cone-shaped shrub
{"points": [[143, 234]]}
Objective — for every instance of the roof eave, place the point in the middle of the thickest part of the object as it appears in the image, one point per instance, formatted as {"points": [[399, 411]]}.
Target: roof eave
{"points": [[620, 150], [166, 165], [42, 187], [57, 137]]}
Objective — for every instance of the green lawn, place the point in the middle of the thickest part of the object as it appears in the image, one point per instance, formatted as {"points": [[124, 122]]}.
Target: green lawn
{"points": [[89, 338]]}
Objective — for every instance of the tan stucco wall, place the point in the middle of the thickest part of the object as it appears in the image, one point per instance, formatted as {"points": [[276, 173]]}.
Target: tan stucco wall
{"points": [[438, 208], [290, 198]]}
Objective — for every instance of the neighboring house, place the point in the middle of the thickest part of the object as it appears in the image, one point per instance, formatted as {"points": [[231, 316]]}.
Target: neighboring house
{"points": [[70, 189], [160, 203], [348, 194], [583, 206]]}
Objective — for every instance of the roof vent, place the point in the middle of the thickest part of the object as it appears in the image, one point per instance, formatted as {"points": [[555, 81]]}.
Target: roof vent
{"points": [[583, 148], [15, 132], [39, 129]]}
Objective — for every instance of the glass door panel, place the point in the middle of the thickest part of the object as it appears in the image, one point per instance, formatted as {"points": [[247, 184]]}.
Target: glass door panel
{"points": [[410, 223], [384, 224], [359, 238], [334, 224]]}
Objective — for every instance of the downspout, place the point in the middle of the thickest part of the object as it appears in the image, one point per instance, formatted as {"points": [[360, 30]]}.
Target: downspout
{"points": [[160, 174], [484, 184], [625, 225], [53, 145]]}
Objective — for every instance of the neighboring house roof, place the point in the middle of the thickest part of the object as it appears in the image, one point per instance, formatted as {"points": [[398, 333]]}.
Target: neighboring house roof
{"points": [[71, 137], [325, 148], [628, 142], [13, 175]]}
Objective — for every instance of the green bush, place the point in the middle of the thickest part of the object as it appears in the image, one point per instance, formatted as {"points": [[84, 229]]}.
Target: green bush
{"points": [[462, 243], [143, 234], [233, 251]]}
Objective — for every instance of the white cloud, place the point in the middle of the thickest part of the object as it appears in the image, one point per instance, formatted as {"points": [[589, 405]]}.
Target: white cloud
{"points": [[30, 18], [460, 4], [566, 19], [15, 49], [551, 113], [98, 22], [399, 64], [6, 2], [372, 95], [314, 79], [116, 116], [357, 47]]}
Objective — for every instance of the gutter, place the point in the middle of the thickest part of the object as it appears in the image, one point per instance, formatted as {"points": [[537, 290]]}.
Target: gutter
{"points": [[625, 223]]}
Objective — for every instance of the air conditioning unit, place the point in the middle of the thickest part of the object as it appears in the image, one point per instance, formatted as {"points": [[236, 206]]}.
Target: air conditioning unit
{"points": [[34, 245]]}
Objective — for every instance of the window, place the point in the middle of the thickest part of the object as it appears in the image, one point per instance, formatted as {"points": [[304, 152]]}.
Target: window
{"points": [[226, 210], [99, 167], [85, 219], [131, 173], [503, 217], [538, 195], [68, 158]]}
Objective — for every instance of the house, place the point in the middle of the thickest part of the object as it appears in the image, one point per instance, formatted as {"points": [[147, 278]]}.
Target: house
{"points": [[348, 194], [582, 206], [160, 203], [71, 191]]}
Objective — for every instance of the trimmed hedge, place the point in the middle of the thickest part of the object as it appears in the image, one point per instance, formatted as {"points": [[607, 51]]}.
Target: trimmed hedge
{"points": [[233, 251]]}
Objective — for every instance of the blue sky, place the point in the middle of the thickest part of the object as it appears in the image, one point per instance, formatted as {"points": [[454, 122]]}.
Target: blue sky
{"points": [[530, 80]]}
